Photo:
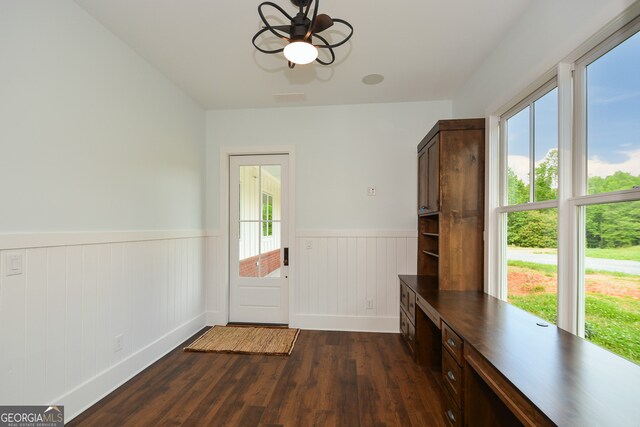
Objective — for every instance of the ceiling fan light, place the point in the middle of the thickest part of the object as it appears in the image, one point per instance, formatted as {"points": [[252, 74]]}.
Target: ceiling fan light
{"points": [[300, 52]]}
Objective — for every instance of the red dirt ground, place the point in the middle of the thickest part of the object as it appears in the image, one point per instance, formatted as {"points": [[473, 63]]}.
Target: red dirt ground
{"points": [[523, 282]]}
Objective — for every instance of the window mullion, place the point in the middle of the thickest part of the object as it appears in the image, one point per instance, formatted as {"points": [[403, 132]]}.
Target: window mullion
{"points": [[568, 296], [532, 152]]}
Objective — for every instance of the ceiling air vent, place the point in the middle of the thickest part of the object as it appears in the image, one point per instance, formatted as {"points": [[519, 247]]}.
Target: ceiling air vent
{"points": [[290, 97]]}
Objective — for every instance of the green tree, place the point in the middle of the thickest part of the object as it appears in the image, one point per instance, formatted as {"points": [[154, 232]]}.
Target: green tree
{"points": [[613, 225], [546, 182], [518, 192], [533, 229], [618, 181]]}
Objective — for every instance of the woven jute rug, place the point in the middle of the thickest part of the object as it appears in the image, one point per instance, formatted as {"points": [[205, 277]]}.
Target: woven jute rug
{"points": [[246, 340]]}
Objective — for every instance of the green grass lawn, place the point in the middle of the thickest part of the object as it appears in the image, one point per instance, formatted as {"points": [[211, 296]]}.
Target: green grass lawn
{"points": [[611, 322], [552, 270], [631, 253]]}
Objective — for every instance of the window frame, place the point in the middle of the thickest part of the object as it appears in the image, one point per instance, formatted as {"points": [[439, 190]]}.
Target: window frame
{"points": [[581, 199], [529, 101], [569, 78], [503, 208]]}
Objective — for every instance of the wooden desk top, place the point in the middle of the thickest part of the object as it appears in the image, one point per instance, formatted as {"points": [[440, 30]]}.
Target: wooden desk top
{"points": [[572, 381]]}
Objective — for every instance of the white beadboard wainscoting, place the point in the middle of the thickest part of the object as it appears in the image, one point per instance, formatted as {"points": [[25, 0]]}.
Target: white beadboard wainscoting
{"points": [[338, 271], [59, 319], [332, 280], [216, 287]]}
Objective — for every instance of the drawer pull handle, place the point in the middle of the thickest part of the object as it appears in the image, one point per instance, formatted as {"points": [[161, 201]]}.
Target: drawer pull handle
{"points": [[451, 342], [451, 376], [451, 416]]}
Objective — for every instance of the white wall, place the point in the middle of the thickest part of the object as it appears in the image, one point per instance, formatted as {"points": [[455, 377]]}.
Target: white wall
{"points": [[59, 320], [547, 32], [102, 172], [91, 136], [340, 151], [359, 243]]}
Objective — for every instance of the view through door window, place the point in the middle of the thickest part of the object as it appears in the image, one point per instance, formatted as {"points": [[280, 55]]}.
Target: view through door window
{"points": [[260, 221]]}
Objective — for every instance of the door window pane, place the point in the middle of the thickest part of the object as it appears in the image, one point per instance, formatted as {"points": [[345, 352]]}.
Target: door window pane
{"points": [[613, 119], [249, 249], [259, 221], [271, 185], [612, 277], [532, 262], [267, 215]]}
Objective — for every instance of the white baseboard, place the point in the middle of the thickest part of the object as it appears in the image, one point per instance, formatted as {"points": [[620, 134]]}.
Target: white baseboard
{"points": [[216, 318], [87, 394], [346, 323]]}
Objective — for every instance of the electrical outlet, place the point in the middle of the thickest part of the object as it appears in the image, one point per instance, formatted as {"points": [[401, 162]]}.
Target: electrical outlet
{"points": [[119, 343], [371, 191], [369, 304], [13, 264], [308, 244]]}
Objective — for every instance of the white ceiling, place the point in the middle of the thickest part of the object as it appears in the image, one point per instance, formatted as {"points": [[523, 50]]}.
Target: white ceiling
{"points": [[425, 49]]}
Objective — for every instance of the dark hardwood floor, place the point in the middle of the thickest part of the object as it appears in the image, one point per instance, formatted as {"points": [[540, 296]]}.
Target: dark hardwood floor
{"points": [[330, 379]]}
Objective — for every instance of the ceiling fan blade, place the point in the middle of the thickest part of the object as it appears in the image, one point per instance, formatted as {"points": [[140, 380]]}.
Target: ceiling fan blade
{"points": [[285, 28], [321, 23]]}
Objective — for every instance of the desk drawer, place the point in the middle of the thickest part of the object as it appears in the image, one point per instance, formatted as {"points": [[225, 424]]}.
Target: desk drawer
{"points": [[404, 296], [452, 412], [411, 311], [404, 324], [411, 335], [452, 376], [452, 342]]}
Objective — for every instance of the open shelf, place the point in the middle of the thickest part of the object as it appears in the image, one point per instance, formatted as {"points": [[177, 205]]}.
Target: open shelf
{"points": [[429, 224], [430, 253]]}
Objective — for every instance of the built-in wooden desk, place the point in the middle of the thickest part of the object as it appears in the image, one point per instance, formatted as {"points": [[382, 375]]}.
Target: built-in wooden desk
{"points": [[517, 372]]}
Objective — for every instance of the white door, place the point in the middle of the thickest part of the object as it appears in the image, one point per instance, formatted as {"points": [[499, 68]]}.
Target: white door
{"points": [[258, 207]]}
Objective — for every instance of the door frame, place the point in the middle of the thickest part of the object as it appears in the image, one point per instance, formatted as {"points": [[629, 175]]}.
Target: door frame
{"points": [[225, 158]]}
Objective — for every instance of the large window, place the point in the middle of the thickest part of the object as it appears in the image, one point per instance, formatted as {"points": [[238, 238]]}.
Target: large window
{"points": [[570, 191], [530, 136], [608, 194]]}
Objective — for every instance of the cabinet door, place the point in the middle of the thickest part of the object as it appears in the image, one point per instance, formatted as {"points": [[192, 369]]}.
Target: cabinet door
{"points": [[422, 181], [433, 175]]}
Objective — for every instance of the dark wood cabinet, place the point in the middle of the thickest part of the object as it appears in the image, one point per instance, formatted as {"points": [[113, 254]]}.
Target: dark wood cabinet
{"points": [[451, 204], [422, 181], [497, 367], [429, 177], [408, 316], [433, 175]]}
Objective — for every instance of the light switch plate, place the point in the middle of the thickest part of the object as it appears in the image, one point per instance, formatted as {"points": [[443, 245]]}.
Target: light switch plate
{"points": [[13, 264]]}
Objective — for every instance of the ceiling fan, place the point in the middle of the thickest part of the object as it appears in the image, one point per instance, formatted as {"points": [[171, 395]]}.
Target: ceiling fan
{"points": [[301, 31]]}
